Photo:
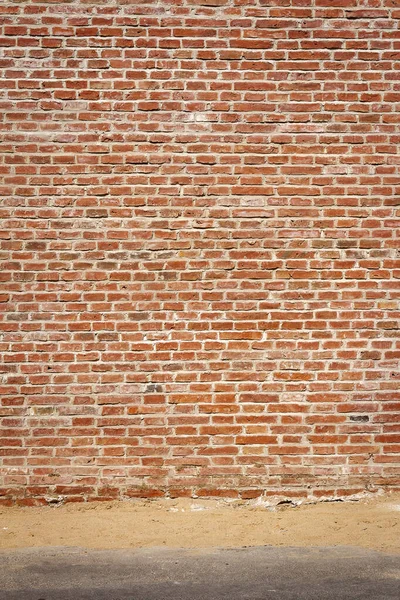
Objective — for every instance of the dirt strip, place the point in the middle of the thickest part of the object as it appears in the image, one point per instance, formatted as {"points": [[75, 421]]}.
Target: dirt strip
{"points": [[368, 523]]}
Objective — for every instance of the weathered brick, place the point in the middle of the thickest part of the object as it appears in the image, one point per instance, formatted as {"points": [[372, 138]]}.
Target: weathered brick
{"points": [[198, 249]]}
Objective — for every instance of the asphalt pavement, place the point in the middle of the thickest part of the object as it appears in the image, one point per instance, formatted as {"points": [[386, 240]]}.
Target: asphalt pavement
{"points": [[262, 573]]}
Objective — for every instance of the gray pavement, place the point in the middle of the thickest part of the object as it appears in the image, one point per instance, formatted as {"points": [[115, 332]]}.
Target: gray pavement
{"points": [[232, 574]]}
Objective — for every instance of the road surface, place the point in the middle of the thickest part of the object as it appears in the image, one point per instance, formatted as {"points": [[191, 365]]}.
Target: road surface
{"points": [[260, 573]]}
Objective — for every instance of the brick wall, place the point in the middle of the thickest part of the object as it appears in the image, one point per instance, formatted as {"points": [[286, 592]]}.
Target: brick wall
{"points": [[199, 248]]}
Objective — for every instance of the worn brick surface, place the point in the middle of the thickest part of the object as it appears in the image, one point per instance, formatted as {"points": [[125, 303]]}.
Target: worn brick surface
{"points": [[199, 248]]}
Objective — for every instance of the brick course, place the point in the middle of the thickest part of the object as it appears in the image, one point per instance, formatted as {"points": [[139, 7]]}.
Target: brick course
{"points": [[199, 248]]}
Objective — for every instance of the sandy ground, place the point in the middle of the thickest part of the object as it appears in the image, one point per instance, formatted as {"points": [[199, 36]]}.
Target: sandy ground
{"points": [[368, 523]]}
